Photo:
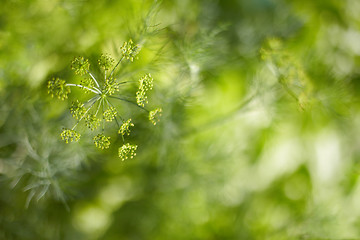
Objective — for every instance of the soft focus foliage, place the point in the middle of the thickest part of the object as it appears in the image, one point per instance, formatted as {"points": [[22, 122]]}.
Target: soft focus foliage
{"points": [[259, 131]]}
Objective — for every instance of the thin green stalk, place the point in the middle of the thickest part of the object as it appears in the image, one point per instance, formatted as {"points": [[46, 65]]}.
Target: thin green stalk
{"points": [[97, 110], [97, 84], [122, 120], [97, 91], [116, 120], [125, 100], [112, 72]]}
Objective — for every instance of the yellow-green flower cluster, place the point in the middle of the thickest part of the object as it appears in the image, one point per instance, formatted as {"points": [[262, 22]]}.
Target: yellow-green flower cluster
{"points": [[101, 141], [103, 88], [69, 135], [77, 110], [110, 114], [80, 65], [127, 151], [154, 115], [106, 61], [130, 50], [125, 127], [145, 84], [92, 122], [57, 87], [111, 86], [87, 82]]}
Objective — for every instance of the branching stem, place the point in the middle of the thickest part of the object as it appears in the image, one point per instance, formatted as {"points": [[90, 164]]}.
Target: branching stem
{"points": [[125, 100], [97, 84], [117, 64], [97, 91]]}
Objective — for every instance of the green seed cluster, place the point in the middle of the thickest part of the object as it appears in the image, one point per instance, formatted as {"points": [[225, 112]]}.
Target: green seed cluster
{"points": [[125, 127], [92, 122], [77, 110], [130, 50], [57, 87], [154, 115], [106, 61], [127, 151], [69, 135], [80, 66], [111, 86], [110, 114], [101, 141], [145, 84]]}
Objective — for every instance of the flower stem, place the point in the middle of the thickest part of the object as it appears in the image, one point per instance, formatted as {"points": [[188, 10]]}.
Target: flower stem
{"points": [[125, 100], [97, 91], [116, 66], [97, 84]]}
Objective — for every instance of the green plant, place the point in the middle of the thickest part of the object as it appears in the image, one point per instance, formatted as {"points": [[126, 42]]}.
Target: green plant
{"points": [[99, 108]]}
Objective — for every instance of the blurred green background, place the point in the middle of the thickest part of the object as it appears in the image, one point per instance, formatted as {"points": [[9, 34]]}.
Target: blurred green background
{"points": [[259, 138]]}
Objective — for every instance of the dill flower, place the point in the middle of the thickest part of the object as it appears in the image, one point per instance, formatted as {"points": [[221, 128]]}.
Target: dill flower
{"points": [[111, 86], [130, 50], [145, 84], [77, 110], [70, 135], [127, 151], [102, 91], [80, 65], [110, 114], [57, 87], [154, 115], [101, 141], [106, 61], [125, 127], [87, 83], [92, 122]]}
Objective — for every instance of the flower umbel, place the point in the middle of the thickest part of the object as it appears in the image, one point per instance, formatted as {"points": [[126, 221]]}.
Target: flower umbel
{"points": [[127, 151], [125, 128], [87, 83], [111, 86], [77, 110], [69, 135], [101, 141], [130, 50], [154, 115], [106, 61], [57, 87], [92, 122], [145, 84], [80, 66], [110, 114], [99, 109]]}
